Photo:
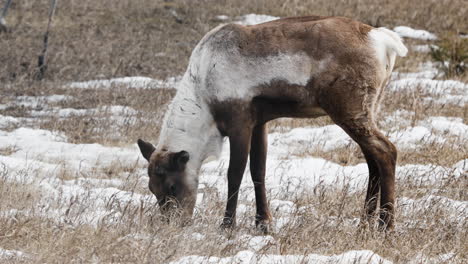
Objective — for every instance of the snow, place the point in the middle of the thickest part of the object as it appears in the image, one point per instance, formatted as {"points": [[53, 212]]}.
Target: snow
{"points": [[113, 110], [246, 256], [438, 91], [462, 165], [429, 174], [42, 156], [52, 152], [435, 87], [254, 243], [34, 102], [285, 207], [421, 48], [448, 126], [426, 70], [408, 32], [288, 179], [300, 141], [128, 82], [38, 101], [412, 137], [222, 17], [6, 121], [456, 211], [6, 254], [46, 154], [198, 236], [327, 138], [253, 19]]}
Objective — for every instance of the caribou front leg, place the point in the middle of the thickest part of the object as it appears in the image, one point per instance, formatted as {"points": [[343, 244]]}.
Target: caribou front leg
{"points": [[239, 141], [258, 153]]}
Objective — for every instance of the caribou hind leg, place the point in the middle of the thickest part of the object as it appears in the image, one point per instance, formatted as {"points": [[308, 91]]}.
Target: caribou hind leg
{"points": [[258, 152], [381, 157], [373, 187], [353, 109]]}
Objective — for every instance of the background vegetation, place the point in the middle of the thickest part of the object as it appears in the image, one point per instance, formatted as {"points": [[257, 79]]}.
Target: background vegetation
{"points": [[107, 38]]}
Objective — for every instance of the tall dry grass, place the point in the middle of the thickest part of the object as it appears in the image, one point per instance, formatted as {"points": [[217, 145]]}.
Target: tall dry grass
{"points": [[103, 39]]}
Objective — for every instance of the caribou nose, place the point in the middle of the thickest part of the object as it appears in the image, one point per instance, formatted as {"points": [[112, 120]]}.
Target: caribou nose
{"points": [[173, 190]]}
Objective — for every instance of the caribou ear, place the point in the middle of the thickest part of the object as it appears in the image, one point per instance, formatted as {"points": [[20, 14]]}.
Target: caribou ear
{"points": [[146, 148], [181, 158]]}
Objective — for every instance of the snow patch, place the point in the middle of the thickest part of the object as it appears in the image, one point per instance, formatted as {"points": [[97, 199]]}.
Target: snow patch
{"points": [[414, 137], [331, 137], [435, 87], [462, 165], [40, 101], [254, 243], [6, 254], [429, 174], [439, 91], [253, 19], [7, 121], [114, 110], [222, 17], [198, 236], [288, 179], [421, 48], [447, 126], [327, 138], [41, 145], [426, 70], [33, 102], [355, 257], [408, 32], [128, 82], [283, 207], [456, 211]]}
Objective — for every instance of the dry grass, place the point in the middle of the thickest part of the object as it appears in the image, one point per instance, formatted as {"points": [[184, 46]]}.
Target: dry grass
{"points": [[141, 37], [131, 234], [104, 39]]}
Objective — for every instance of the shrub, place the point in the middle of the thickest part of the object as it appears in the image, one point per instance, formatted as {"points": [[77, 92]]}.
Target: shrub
{"points": [[452, 53]]}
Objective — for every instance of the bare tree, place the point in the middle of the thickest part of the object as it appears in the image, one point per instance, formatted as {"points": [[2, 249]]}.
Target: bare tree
{"points": [[42, 63], [3, 26]]}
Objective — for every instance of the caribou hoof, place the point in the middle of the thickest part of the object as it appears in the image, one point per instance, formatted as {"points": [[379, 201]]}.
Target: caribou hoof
{"points": [[263, 226], [385, 222], [228, 223]]}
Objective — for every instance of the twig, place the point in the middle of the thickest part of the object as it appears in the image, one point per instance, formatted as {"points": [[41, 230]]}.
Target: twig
{"points": [[42, 65]]}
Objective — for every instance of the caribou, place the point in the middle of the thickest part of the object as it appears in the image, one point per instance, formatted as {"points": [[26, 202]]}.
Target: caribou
{"points": [[241, 77]]}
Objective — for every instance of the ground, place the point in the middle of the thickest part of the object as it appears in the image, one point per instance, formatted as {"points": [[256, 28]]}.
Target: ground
{"points": [[73, 185]]}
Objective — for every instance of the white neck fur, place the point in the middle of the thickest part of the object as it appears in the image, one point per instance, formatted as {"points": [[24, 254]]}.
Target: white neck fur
{"points": [[188, 125]]}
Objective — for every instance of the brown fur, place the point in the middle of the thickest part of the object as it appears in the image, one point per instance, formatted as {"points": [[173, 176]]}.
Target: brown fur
{"points": [[317, 36], [347, 91]]}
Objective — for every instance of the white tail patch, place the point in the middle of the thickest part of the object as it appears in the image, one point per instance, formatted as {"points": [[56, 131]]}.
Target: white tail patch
{"points": [[387, 44], [395, 43], [389, 39]]}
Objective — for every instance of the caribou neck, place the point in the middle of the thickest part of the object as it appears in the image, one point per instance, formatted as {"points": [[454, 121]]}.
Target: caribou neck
{"points": [[188, 125]]}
